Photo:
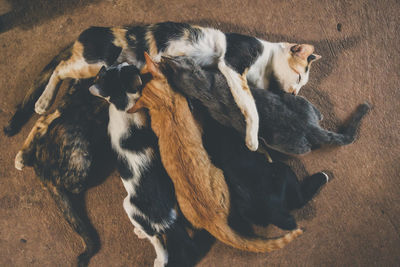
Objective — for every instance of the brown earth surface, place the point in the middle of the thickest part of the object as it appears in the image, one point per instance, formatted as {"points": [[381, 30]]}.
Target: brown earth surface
{"points": [[354, 221]]}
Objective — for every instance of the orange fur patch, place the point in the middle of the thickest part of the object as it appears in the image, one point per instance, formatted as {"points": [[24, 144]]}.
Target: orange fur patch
{"points": [[120, 37]]}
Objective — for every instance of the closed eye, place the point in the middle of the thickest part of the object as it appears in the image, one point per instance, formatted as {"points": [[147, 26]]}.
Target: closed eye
{"points": [[298, 81]]}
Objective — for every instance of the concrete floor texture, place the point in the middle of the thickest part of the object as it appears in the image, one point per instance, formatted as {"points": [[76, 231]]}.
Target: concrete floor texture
{"points": [[354, 221]]}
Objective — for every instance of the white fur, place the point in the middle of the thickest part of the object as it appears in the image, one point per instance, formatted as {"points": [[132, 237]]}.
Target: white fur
{"points": [[285, 74], [275, 58], [19, 162], [64, 70], [246, 102]]}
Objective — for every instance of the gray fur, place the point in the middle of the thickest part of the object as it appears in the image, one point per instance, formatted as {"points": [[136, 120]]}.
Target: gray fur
{"points": [[288, 123]]}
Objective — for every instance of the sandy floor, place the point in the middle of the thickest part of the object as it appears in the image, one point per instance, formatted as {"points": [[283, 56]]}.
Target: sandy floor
{"points": [[355, 219]]}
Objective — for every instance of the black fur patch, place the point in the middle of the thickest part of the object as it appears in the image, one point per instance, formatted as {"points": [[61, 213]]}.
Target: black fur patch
{"points": [[98, 45], [166, 31], [137, 41], [139, 139], [242, 51]]}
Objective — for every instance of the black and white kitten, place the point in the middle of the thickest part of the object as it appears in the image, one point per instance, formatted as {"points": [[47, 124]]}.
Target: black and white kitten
{"points": [[288, 123], [150, 204]]}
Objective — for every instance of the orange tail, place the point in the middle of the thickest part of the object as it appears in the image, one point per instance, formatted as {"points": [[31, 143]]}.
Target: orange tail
{"points": [[228, 236]]}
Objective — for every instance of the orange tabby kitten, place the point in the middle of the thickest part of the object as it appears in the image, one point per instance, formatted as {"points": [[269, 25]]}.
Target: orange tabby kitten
{"points": [[200, 187]]}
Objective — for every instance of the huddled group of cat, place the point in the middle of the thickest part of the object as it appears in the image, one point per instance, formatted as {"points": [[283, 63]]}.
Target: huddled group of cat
{"points": [[187, 107]]}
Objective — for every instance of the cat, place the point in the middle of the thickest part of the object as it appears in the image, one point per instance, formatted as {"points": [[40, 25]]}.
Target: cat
{"points": [[70, 151], [231, 52], [262, 193], [200, 188], [150, 203], [288, 123]]}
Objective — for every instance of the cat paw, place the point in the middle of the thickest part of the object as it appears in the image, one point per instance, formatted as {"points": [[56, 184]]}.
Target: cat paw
{"points": [[159, 263], [252, 143], [42, 105], [139, 232], [19, 161], [326, 176]]}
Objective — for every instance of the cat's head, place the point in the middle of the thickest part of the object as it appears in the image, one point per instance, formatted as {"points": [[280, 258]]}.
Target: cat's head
{"points": [[157, 93], [291, 65], [120, 85]]}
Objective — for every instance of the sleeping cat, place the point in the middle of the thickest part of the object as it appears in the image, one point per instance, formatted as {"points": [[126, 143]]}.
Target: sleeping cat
{"points": [[150, 203], [232, 53], [262, 193], [288, 123], [200, 188], [70, 151]]}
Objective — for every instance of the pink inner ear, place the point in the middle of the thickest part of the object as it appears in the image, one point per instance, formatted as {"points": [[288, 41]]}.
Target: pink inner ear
{"points": [[304, 50]]}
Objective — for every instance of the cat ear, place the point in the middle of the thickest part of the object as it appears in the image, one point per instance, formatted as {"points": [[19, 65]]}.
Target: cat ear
{"points": [[152, 67], [313, 57], [302, 50], [138, 106]]}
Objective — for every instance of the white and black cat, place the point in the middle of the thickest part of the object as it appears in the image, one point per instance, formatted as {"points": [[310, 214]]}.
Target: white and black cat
{"points": [[288, 123], [232, 53], [150, 204]]}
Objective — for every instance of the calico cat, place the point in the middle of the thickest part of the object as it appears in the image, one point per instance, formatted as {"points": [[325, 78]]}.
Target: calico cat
{"points": [[288, 123], [150, 204], [200, 188], [232, 53], [70, 151]]}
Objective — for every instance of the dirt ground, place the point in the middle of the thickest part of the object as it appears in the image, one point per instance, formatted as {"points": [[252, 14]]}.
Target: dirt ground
{"points": [[354, 221]]}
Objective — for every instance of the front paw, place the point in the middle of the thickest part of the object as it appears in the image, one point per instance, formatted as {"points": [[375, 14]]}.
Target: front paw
{"points": [[139, 232], [252, 142], [42, 105], [159, 263], [19, 161]]}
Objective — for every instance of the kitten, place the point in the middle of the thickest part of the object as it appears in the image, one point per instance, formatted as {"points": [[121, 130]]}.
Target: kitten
{"points": [[150, 203], [288, 123], [232, 53], [262, 193], [70, 151], [200, 188]]}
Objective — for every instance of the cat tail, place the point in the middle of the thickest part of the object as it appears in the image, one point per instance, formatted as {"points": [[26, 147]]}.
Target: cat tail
{"points": [[228, 236], [348, 134], [25, 109], [81, 226]]}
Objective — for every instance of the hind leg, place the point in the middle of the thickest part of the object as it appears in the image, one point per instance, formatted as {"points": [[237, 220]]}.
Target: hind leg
{"points": [[301, 193], [161, 251], [155, 239], [75, 67], [245, 101], [38, 130]]}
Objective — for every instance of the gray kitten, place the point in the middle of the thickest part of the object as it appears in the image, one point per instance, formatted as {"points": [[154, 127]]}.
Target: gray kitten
{"points": [[288, 123]]}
